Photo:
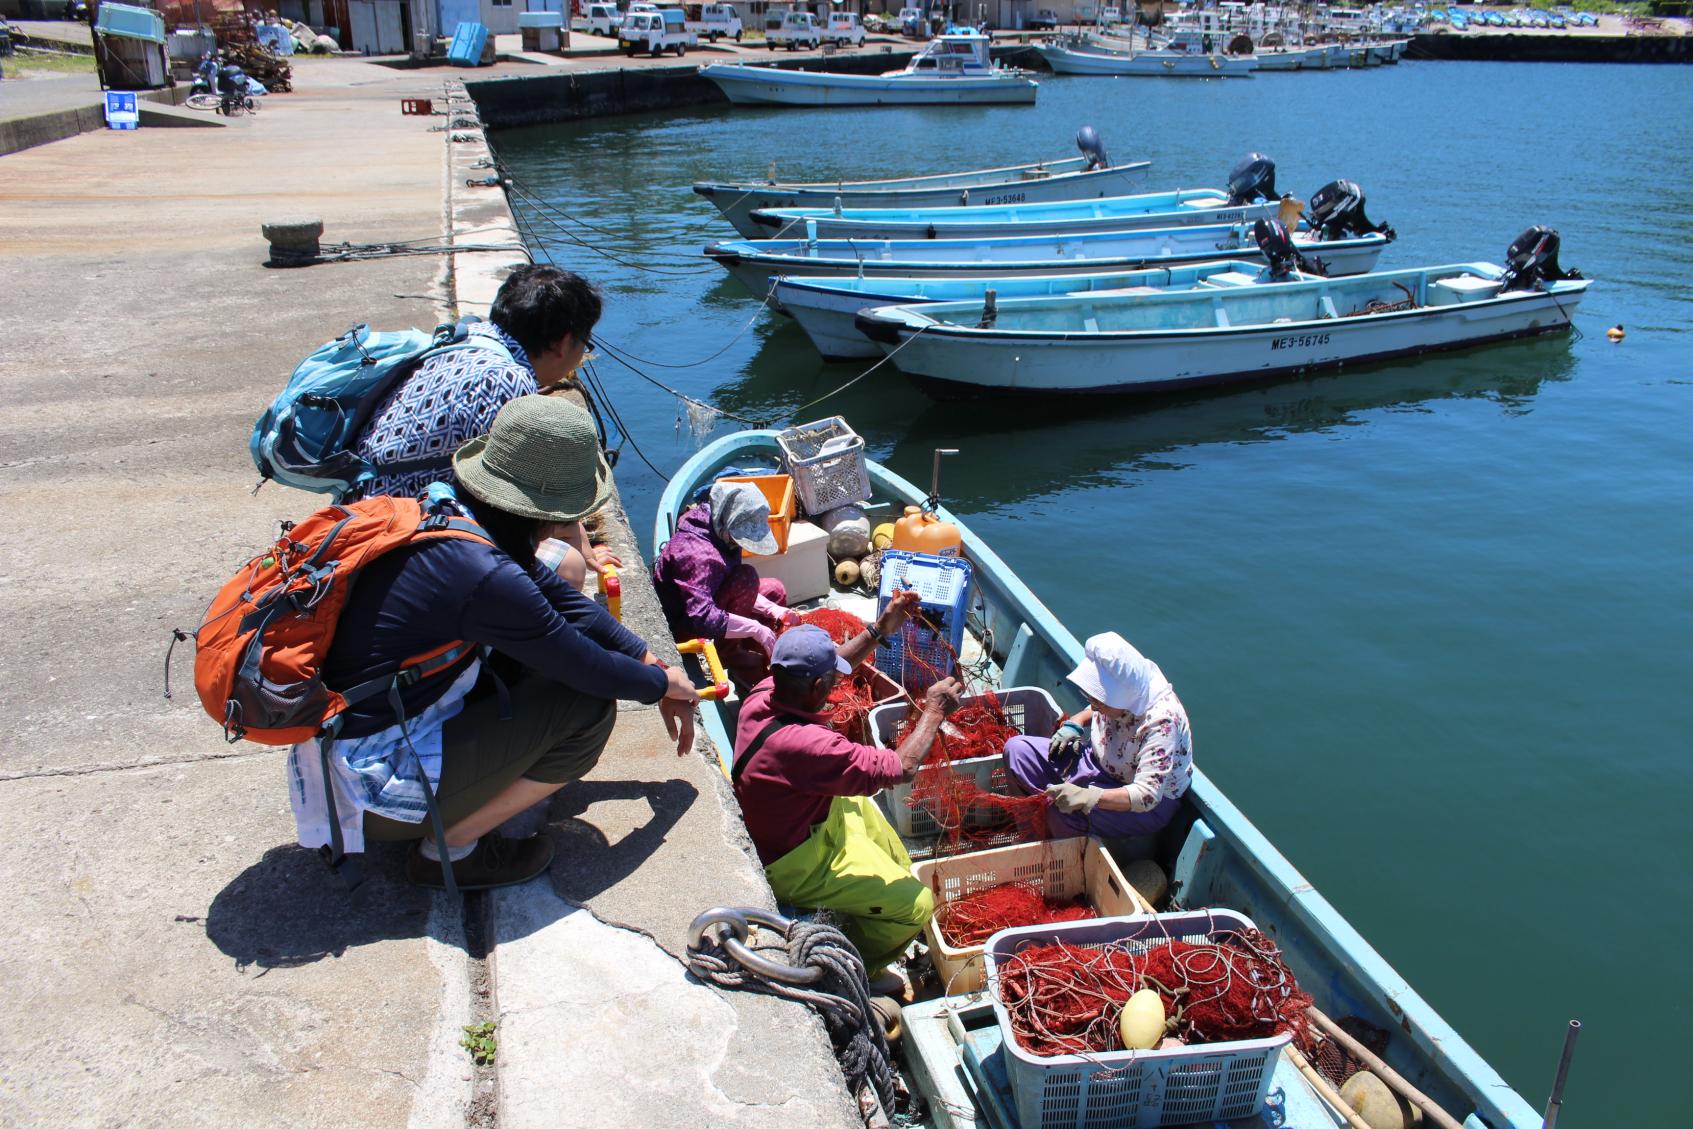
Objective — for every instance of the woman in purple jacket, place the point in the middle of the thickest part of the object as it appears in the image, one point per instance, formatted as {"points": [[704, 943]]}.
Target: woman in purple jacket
{"points": [[708, 592]]}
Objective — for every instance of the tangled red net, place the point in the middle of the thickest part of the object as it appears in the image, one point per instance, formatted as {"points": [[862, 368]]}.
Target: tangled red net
{"points": [[968, 921], [851, 700], [1067, 999]]}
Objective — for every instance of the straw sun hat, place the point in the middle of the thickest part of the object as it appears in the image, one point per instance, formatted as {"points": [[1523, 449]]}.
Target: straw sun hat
{"points": [[541, 459]]}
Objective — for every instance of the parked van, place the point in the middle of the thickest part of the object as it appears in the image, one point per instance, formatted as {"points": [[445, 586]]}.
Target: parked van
{"points": [[792, 30], [656, 32], [1110, 17], [843, 29], [912, 22], [714, 21], [603, 20]]}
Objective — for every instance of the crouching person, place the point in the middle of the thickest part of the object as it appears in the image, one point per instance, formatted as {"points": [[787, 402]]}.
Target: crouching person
{"points": [[805, 793], [1120, 767], [489, 747]]}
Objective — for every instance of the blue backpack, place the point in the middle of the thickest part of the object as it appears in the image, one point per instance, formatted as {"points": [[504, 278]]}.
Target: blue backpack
{"points": [[308, 435]]}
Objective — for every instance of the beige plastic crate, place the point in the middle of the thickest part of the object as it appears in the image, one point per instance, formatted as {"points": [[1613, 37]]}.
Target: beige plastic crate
{"points": [[1061, 868]]}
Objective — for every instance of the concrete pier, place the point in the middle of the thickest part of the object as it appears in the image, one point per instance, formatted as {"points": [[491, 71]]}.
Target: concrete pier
{"points": [[168, 956]]}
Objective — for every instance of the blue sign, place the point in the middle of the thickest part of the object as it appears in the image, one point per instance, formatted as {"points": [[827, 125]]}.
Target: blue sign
{"points": [[121, 112]]}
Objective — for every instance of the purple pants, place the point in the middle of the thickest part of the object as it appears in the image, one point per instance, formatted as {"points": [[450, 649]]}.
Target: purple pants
{"points": [[1028, 770], [740, 590]]}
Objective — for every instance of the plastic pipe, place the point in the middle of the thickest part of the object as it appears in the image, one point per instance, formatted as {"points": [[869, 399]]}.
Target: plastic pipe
{"points": [[1555, 1104]]}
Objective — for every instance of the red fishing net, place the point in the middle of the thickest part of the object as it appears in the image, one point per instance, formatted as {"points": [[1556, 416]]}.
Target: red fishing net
{"points": [[853, 696], [1067, 999], [968, 921], [952, 793]]}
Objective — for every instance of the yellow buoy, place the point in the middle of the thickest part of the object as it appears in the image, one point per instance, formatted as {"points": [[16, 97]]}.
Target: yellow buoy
{"points": [[882, 537], [846, 573], [1378, 1106], [1615, 333], [1142, 1021]]}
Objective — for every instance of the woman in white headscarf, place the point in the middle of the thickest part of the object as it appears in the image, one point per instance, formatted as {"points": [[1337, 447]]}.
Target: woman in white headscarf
{"points": [[1119, 767]]}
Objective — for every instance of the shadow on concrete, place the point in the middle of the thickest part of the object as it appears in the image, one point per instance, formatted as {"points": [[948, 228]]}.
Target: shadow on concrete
{"points": [[289, 909], [588, 861]]}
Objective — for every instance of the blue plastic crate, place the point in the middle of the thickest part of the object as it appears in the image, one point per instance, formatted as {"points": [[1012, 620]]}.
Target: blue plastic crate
{"points": [[915, 655], [467, 44]]}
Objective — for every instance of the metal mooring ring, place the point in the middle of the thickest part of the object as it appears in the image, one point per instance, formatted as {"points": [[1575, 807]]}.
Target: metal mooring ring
{"points": [[735, 922]]}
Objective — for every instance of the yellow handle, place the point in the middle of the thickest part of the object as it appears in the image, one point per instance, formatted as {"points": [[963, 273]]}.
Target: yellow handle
{"points": [[707, 650], [612, 588]]}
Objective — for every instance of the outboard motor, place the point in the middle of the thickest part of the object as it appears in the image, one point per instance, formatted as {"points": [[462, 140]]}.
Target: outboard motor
{"points": [[1087, 140], [1252, 180], [1337, 210], [1533, 258], [1277, 245]]}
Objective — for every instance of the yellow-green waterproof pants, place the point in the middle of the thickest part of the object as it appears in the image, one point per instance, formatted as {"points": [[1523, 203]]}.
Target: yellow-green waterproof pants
{"points": [[854, 864]]}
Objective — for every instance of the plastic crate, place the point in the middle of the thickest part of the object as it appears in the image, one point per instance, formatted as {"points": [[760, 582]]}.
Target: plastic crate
{"points": [[826, 459], [1028, 708], [1062, 869], [778, 490], [919, 654], [1133, 1089], [468, 40]]}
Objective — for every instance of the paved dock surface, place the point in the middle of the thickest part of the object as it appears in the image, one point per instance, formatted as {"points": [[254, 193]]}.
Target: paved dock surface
{"points": [[168, 956]]}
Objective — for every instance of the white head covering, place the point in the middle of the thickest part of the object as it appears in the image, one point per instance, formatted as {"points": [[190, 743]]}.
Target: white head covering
{"points": [[741, 513], [1113, 672]]}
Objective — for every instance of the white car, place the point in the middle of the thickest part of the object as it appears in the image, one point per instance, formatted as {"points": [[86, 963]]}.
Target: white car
{"points": [[603, 20], [713, 21], [1110, 17], [655, 32], [843, 29], [793, 30]]}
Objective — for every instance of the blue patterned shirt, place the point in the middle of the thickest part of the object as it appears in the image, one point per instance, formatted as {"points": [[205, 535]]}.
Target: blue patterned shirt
{"points": [[451, 398]]}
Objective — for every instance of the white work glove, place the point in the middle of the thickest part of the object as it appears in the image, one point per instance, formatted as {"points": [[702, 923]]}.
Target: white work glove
{"points": [[740, 627], [1073, 799], [1065, 747]]}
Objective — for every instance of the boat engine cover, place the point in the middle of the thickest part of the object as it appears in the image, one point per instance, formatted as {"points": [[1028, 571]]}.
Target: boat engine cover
{"points": [[1276, 243], [1532, 258], [1252, 180], [1337, 210], [1087, 140]]}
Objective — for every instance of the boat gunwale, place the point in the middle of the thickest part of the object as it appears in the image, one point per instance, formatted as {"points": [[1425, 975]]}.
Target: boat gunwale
{"points": [[1177, 198], [746, 72], [817, 284], [915, 183]]}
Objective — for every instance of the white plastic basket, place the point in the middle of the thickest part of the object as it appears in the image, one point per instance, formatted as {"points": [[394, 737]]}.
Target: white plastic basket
{"points": [[1029, 709], [1062, 869], [826, 459], [1203, 1083]]}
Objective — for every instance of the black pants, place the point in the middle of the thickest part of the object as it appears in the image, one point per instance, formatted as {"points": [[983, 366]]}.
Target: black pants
{"points": [[554, 735]]}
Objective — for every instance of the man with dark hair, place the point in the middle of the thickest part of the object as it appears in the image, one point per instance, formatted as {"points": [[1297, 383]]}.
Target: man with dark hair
{"points": [[535, 338], [805, 793]]}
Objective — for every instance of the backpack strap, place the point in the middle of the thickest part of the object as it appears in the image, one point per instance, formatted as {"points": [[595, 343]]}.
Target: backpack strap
{"points": [[757, 743]]}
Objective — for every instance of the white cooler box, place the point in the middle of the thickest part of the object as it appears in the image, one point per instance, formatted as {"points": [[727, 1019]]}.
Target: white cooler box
{"points": [[804, 568]]}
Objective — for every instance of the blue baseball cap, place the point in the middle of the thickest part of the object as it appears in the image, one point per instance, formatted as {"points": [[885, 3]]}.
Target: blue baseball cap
{"points": [[808, 651]]}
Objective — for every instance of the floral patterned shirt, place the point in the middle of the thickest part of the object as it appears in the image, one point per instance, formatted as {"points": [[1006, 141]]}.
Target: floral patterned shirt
{"points": [[1152, 755]]}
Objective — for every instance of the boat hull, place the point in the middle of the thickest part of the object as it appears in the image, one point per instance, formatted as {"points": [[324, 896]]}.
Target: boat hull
{"points": [[1200, 213], [949, 361], [1151, 64], [755, 268], [1031, 184], [772, 86]]}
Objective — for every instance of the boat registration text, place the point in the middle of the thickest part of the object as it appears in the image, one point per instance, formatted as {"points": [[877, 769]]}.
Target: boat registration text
{"points": [[1299, 341], [1008, 198]]}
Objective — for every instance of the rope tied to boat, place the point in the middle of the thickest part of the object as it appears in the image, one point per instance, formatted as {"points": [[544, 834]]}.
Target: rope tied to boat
{"points": [[822, 970]]}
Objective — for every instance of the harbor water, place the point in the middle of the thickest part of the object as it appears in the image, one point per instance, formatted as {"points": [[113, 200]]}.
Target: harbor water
{"points": [[1433, 620]]}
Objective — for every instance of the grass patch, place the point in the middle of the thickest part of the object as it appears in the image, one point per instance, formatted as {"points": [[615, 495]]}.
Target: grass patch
{"points": [[27, 62]]}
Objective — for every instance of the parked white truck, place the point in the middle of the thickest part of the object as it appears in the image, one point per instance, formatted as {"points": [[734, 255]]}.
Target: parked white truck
{"points": [[713, 21], [603, 20], [793, 30], [655, 32], [844, 29]]}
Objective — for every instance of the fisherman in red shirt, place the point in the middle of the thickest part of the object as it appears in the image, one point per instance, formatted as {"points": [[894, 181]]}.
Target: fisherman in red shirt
{"points": [[805, 791]]}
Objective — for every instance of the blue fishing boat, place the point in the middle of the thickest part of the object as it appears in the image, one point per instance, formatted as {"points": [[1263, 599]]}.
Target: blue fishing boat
{"points": [[1212, 853], [1178, 208], [953, 70], [756, 262], [827, 308]]}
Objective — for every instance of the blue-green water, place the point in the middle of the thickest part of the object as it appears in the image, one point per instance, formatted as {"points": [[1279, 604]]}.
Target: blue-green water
{"points": [[1433, 620]]}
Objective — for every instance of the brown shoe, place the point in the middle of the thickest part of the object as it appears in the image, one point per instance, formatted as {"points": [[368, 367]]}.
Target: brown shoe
{"points": [[496, 861]]}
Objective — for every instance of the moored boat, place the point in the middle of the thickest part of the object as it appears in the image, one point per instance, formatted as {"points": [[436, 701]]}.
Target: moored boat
{"points": [[1083, 59], [826, 308], [953, 70], [755, 262], [1074, 178], [1179, 208], [1213, 854], [1143, 343]]}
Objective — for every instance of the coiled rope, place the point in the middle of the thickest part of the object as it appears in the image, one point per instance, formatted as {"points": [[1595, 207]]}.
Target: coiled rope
{"points": [[823, 970]]}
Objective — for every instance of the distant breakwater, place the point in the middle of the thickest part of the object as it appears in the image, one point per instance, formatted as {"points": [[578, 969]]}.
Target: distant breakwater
{"points": [[1509, 48]]}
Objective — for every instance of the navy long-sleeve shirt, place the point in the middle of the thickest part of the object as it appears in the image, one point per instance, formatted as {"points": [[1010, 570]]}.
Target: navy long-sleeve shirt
{"points": [[425, 596]]}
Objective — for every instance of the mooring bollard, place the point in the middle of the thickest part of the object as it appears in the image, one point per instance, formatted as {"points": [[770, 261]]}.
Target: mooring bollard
{"points": [[293, 240]]}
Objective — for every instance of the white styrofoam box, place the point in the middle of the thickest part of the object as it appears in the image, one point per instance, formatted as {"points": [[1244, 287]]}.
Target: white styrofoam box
{"points": [[804, 568]]}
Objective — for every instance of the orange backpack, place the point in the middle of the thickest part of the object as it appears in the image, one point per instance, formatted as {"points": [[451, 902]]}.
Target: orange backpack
{"points": [[261, 646]]}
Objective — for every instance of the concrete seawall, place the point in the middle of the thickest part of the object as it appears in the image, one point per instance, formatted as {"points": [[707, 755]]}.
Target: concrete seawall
{"points": [[1553, 48]]}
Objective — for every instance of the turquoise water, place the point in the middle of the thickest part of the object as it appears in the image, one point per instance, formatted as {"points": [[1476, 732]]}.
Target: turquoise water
{"points": [[1433, 620]]}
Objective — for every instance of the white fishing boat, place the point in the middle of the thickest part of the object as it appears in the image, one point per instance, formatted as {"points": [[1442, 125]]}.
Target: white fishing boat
{"points": [[1142, 343], [1082, 59], [755, 262], [953, 70], [1184, 207], [827, 308], [1075, 178]]}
